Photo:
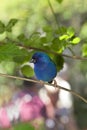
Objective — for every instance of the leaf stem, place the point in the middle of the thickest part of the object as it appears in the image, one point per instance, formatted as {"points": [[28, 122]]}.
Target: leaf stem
{"points": [[40, 82]]}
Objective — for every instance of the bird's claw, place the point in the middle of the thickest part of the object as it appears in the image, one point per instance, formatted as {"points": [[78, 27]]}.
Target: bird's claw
{"points": [[42, 83], [55, 83]]}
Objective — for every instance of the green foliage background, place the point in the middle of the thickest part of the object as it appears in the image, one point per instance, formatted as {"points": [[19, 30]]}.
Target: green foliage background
{"points": [[27, 26]]}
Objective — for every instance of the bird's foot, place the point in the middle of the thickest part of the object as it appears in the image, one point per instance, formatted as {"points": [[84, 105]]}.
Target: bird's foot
{"points": [[42, 83], [55, 83]]}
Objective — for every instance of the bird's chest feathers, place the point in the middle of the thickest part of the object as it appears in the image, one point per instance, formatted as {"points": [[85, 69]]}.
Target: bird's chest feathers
{"points": [[41, 66]]}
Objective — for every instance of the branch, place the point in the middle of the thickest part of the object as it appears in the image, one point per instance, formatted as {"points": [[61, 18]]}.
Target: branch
{"points": [[72, 52], [52, 10], [55, 53], [40, 82], [47, 51]]}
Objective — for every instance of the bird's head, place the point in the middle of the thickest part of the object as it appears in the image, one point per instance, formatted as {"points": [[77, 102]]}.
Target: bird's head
{"points": [[39, 57]]}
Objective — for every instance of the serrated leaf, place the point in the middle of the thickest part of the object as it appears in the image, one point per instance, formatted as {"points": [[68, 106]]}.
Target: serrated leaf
{"points": [[10, 24], [84, 50], [27, 71], [76, 40], [9, 51], [2, 27], [59, 1], [23, 126]]}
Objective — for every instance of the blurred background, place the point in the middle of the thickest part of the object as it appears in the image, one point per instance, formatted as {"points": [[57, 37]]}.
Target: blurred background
{"points": [[33, 15]]}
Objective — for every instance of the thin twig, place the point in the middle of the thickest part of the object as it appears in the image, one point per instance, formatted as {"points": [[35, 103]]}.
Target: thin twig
{"points": [[75, 57], [74, 93], [55, 53], [72, 52], [53, 12], [37, 81]]}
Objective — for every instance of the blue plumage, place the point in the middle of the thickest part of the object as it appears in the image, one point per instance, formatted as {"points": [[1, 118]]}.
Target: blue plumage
{"points": [[44, 68]]}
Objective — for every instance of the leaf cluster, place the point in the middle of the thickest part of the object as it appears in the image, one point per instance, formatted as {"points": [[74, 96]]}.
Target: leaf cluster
{"points": [[8, 27], [48, 39]]}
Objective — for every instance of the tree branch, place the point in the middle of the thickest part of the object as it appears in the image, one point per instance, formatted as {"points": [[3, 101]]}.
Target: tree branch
{"points": [[75, 57], [40, 82], [55, 53]]}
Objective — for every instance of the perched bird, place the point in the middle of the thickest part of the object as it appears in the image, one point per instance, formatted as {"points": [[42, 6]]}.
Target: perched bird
{"points": [[44, 68]]}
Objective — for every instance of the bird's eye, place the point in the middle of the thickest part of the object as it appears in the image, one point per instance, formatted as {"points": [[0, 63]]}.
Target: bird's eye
{"points": [[33, 60]]}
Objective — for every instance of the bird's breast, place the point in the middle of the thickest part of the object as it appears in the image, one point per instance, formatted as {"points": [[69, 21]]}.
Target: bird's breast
{"points": [[41, 66], [45, 72]]}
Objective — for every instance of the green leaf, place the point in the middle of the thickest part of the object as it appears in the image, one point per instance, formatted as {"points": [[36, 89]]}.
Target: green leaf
{"points": [[48, 30], [67, 34], [57, 45], [76, 40], [70, 32], [59, 1], [23, 57], [11, 24], [84, 50], [59, 61], [22, 38], [64, 37], [43, 39], [35, 41], [61, 31], [9, 51], [2, 27], [23, 126], [49, 36], [27, 71]]}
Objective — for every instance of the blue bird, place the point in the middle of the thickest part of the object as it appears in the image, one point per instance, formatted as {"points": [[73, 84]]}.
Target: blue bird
{"points": [[44, 68]]}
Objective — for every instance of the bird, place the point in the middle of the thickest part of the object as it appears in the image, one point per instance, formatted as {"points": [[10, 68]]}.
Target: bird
{"points": [[44, 67]]}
